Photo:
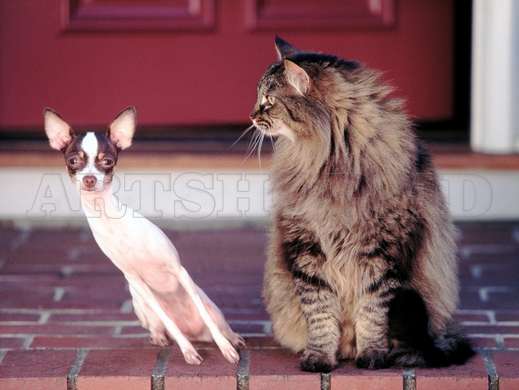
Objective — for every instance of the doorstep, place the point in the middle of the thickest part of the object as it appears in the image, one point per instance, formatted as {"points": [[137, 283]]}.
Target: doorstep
{"points": [[259, 368], [228, 187]]}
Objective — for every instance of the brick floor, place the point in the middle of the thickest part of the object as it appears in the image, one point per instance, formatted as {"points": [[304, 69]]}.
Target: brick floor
{"points": [[66, 319]]}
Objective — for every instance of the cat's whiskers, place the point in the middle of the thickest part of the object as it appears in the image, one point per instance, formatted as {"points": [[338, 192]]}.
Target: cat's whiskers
{"points": [[260, 143], [252, 144], [256, 142], [244, 132]]}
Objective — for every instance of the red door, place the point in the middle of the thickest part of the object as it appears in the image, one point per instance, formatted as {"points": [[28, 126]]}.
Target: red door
{"points": [[197, 61]]}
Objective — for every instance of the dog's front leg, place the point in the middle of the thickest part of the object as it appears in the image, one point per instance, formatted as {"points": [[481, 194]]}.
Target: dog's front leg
{"points": [[149, 320], [190, 354], [225, 346]]}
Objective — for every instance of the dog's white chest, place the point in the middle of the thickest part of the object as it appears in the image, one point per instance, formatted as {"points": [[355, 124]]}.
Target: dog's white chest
{"points": [[135, 245]]}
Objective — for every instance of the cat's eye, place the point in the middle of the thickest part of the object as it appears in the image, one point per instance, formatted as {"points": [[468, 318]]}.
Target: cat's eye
{"points": [[271, 100]]}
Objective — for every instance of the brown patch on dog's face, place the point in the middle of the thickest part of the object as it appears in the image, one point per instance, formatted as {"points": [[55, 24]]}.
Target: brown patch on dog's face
{"points": [[106, 157], [75, 158]]}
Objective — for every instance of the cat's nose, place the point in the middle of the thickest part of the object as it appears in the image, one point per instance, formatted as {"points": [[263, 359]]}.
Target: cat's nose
{"points": [[89, 181]]}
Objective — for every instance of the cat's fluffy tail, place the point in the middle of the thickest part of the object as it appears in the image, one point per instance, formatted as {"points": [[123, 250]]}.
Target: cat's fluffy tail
{"points": [[409, 325], [451, 348]]}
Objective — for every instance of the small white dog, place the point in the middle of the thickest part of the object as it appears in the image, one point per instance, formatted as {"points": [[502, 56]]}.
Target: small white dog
{"points": [[165, 299]]}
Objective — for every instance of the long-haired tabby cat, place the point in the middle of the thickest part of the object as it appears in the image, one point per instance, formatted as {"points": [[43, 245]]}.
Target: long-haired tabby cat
{"points": [[361, 261]]}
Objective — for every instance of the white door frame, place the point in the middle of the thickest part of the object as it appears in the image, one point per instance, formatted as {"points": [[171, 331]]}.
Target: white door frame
{"points": [[495, 76]]}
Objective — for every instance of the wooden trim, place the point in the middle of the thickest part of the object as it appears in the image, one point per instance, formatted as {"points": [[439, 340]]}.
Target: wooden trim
{"points": [[280, 16], [99, 15], [453, 159]]}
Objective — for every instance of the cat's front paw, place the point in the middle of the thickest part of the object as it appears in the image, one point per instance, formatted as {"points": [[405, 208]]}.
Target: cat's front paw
{"points": [[372, 359], [314, 361]]}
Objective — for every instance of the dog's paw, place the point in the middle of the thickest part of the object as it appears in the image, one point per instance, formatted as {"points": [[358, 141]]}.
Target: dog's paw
{"points": [[228, 351], [191, 356], [372, 359], [314, 361], [237, 341], [159, 339]]}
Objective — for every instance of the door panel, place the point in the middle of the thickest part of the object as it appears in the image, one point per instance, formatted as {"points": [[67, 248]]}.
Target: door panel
{"points": [[138, 15], [316, 15], [191, 62]]}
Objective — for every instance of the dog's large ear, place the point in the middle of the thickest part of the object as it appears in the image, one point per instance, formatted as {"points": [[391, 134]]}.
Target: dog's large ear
{"points": [[284, 49], [122, 128], [58, 131]]}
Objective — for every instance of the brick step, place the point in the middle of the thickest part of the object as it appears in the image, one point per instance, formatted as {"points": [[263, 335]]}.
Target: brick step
{"points": [[66, 320], [259, 368]]}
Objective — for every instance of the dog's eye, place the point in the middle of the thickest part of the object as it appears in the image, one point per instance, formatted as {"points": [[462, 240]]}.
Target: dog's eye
{"points": [[107, 162], [73, 161]]}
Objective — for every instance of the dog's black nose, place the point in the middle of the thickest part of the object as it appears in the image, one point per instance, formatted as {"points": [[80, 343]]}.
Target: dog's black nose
{"points": [[89, 181]]}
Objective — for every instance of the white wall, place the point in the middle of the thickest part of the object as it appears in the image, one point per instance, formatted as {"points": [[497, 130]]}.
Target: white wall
{"points": [[47, 195]]}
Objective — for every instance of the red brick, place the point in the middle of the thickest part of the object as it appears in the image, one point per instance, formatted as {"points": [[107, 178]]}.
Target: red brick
{"points": [[22, 297], [43, 298], [104, 267], [248, 328], [277, 369], [499, 274], [470, 300], [80, 281], [117, 369], [470, 376], [95, 296], [41, 370], [24, 280], [215, 373], [483, 342], [476, 232], [503, 300], [507, 258], [261, 342], [7, 237], [137, 329], [12, 342], [99, 316], [512, 315], [19, 317], [99, 296], [114, 280], [507, 366], [55, 329], [348, 377], [30, 254], [99, 342], [511, 342], [490, 329], [257, 315], [466, 317]]}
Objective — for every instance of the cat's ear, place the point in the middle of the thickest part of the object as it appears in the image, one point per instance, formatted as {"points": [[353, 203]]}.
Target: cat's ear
{"points": [[122, 128], [297, 77], [284, 49], [58, 131]]}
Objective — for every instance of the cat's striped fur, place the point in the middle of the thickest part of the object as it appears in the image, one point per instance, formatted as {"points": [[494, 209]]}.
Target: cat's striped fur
{"points": [[361, 262]]}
